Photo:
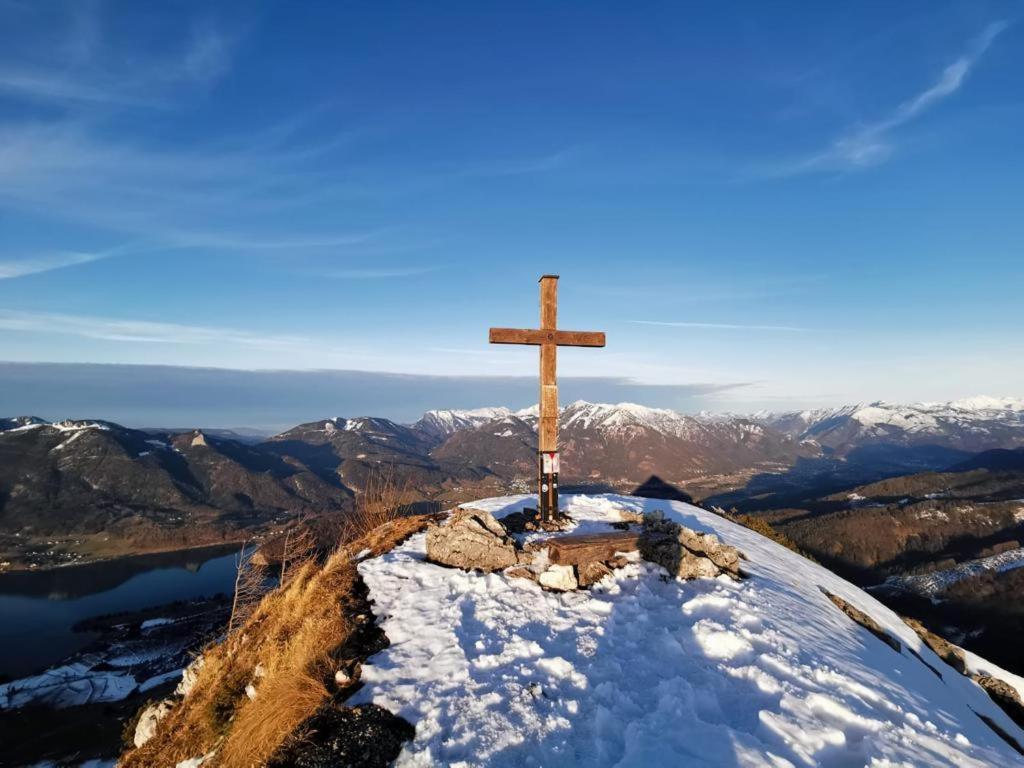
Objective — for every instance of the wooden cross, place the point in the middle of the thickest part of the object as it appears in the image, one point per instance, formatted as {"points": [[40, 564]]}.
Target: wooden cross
{"points": [[549, 339]]}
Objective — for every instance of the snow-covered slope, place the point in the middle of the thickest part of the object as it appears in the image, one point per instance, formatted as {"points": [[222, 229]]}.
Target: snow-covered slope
{"points": [[647, 671], [442, 423]]}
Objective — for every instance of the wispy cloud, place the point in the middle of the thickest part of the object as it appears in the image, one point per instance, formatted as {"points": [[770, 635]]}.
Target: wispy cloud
{"points": [[10, 268], [871, 144], [140, 331], [721, 326], [82, 66]]}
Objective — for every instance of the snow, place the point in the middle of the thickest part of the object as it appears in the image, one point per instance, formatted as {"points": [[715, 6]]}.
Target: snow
{"points": [[646, 670], [150, 623], [449, 421], [976, 664], [156, 680], [69, 441], [985, 403], [936, 582], [67, 686], [974, 414]]}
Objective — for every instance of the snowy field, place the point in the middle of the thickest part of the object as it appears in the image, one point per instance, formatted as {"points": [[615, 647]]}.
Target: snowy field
{"points": [[647, 671]]}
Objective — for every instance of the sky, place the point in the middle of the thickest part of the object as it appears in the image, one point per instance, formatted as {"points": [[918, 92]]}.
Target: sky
{"points": [[763, 205]]}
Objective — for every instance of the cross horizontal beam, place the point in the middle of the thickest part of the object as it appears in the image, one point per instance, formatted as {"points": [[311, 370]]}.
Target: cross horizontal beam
{"points": [[541, 337]]}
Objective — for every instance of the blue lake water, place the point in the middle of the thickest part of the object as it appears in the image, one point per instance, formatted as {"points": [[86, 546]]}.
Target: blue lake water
{"points": [[39, 609]]}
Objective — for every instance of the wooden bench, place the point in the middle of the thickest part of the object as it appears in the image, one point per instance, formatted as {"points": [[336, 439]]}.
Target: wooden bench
{"points": [[589, 547]]}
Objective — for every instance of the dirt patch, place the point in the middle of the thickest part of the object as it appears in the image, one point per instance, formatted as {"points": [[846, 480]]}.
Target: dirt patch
{"points": [[366, 736]]}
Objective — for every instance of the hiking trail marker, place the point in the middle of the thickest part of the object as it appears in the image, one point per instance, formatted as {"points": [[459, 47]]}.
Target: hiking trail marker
{"points": [[549, 339]]}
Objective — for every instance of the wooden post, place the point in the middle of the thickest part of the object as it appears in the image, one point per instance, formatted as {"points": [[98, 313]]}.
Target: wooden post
{"points": [[549, 339], [547, 425]]}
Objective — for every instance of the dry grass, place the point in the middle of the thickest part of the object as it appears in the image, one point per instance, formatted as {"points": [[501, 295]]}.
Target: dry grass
{"points": [[384, 499], [295, 636]]}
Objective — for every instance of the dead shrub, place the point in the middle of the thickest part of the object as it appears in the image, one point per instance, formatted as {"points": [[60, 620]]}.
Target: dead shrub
{"points": [[384, 499]]}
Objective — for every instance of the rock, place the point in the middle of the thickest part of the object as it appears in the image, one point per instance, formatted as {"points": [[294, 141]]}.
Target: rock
{"points": [[693, 566], [1003, 694], [198, 439], [617, 562], [707, 544], [189, 677], [342, 678], [560, 578], [521, 572], [864, 620], [591, 573], [471, 539], [684, 553], [149, 719], [629, 516], [942, 648]]}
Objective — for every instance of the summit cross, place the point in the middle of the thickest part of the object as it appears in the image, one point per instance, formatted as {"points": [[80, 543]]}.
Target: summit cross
{"points": [[549, 339]]}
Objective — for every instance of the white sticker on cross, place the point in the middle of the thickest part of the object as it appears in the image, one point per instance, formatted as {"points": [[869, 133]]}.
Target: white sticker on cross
{"points": [[550, 462]]}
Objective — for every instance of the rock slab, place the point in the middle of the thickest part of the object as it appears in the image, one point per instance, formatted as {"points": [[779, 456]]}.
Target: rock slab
{"points": [[471, 539], [684, 553]]}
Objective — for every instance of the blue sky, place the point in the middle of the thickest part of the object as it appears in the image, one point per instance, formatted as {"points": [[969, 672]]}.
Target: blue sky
{"points": [[762, 204]]}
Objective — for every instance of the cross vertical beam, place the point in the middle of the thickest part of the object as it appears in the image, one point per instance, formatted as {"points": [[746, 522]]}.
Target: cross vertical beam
{"points": [[547, 425], [549, 339]]}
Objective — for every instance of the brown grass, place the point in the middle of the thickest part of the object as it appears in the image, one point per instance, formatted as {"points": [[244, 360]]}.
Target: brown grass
{"points": [[384, 499], [295, 635]]}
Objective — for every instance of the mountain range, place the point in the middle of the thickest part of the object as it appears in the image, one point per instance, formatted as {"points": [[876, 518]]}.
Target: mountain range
{"points": [[98, 483]]}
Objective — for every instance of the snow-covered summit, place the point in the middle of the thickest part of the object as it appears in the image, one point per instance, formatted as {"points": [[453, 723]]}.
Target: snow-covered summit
{"points": [[644, 670], [444, 422]]}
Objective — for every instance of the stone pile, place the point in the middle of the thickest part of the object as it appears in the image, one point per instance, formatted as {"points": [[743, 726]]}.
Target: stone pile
{"points": [[684, 553], [473, 539]]}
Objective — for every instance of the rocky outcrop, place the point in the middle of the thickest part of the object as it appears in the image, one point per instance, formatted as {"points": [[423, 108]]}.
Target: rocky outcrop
{"points": [[684, 553], [473, 540], [1003, 694], [864, 620], [149, 719]]}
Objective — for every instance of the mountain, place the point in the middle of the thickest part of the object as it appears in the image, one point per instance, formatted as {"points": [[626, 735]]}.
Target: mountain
{"points": [[94, 488], [441, 424], [624, 443], [350, 451], [74, 477], [973, 424], [998, 459], [788, 665]]}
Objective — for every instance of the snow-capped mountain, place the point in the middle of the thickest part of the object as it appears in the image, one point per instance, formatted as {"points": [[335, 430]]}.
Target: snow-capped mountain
{"points": [[624, 442], [444, 422], [971, 424]]}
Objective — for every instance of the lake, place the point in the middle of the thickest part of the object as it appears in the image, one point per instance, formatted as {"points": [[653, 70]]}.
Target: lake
{"points": [[39, 608]]}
